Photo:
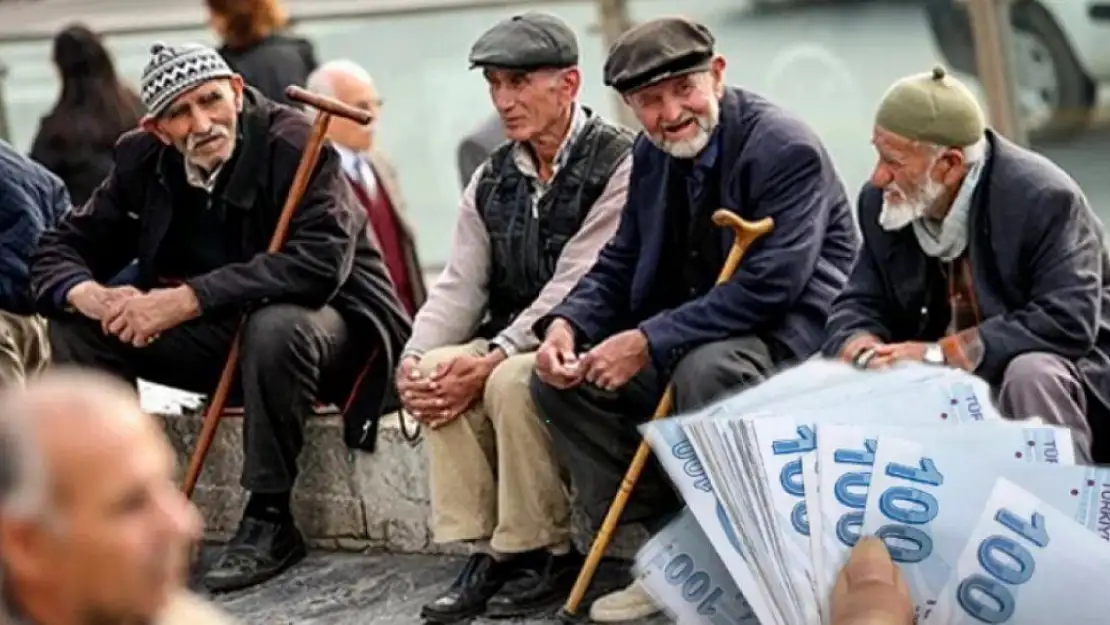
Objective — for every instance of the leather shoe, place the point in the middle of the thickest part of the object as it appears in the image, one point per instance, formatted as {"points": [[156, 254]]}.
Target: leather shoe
{"points": [[481, 577], [259, 551], [540, 581]]}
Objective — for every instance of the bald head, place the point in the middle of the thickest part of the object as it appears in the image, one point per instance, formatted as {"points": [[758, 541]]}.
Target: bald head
{"points": [[60, 418], [89, 509], [351, 84]]}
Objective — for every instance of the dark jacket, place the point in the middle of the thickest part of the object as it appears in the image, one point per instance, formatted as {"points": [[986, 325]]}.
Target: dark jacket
{"points": [[327, 257], [32, 200], [273, 64], [1040, 271], [770, 165]]}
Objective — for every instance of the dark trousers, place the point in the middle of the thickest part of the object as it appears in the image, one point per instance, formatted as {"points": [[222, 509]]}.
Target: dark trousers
{"points": [[595, 431], [284, 353]]}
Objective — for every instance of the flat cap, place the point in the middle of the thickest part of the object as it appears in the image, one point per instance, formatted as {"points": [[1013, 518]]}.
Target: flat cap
{"points": [[529, 41], [933, 107], [657, 50]]}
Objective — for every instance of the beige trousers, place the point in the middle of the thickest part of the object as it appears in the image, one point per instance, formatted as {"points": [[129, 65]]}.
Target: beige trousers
{"points": [[493, 471], [24, 348]]}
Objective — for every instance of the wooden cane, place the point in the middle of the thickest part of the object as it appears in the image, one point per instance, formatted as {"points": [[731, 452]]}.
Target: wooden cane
{"points": [[326, 109], [747, 232]]}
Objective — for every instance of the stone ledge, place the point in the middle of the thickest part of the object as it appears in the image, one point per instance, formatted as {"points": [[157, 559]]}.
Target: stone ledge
{"points": [[343, 501]]}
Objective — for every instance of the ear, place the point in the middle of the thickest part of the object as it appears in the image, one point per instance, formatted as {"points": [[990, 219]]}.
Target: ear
{"points": [[151, 124], [21, 543], [573, 79], [237, 85], [955, 167], [717, 69]]}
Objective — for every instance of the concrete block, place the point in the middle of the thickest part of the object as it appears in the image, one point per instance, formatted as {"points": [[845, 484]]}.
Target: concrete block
{"points": [[345, 501]]}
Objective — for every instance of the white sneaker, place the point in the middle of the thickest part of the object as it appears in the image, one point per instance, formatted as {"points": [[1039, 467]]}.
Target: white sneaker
{"points": [[627, 604]]}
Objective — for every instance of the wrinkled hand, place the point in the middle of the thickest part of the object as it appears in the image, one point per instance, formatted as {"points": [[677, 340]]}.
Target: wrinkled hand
{"points": [[856, 347], [887, 355], [615, 361], [140, 319], [94, 300], [870, 589], [449, 391], [556, 363]]}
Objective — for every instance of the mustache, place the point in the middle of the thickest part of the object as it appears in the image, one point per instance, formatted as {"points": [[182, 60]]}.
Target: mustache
{"points": [[685, 119], [196, 138]]}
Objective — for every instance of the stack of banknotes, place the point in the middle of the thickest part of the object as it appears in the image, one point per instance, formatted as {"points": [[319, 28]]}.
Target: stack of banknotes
{"points": [[990, 520]]}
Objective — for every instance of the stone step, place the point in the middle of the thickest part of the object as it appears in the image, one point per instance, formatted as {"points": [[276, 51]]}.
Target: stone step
{"points": [[343, 501]]}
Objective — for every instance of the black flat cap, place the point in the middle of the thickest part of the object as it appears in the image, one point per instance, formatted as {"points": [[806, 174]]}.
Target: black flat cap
{"points": [[526, 42], [657, 50]]}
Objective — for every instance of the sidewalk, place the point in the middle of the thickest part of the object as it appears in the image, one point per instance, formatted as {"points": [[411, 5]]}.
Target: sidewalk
{"points": [[364, 589]]}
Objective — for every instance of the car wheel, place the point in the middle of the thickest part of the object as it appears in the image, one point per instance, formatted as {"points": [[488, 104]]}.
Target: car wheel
{"points": [[1055, 96]]}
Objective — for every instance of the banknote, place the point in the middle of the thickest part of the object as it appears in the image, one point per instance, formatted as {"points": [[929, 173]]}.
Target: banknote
{"points": [[677, 457], [845, 455], [811, 485], [1025, 563], [781, 441], [946, 484], [814, 383], [680, 569]]}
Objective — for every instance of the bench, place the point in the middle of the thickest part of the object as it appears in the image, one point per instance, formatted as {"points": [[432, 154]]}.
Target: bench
{"points": [[343, 501]]}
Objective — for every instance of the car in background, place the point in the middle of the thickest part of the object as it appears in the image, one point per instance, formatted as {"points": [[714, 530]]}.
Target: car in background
{"points": [[1061, 55]]}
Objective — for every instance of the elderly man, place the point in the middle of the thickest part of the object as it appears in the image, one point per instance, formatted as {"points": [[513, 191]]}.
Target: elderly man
{"points": [[32, 199], [372, 177], [92, 527], [981, 255], [195, 196], [531, 222], [648, 311]]}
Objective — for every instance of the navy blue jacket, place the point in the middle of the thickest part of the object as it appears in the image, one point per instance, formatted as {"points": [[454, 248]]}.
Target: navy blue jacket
{"points": [[31, 200], [771, 165]]}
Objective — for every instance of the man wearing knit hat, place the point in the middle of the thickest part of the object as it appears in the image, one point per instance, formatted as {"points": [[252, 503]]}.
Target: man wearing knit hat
{"points": [[981, 255], [195, 195], [648, 311]]}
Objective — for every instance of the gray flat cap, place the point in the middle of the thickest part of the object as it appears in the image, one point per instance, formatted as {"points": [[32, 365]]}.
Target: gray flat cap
{"points": [[526, 42], [657, 50]]}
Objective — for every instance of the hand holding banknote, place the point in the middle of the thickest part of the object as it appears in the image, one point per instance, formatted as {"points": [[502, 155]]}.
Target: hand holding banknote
{"points": [[870, 589]]}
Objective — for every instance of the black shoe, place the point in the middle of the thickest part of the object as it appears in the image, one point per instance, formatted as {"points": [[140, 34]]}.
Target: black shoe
{"points": [[541, 581], [481, 577], [259, 551]]}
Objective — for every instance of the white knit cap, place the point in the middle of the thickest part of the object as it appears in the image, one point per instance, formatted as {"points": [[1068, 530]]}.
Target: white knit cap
{"points": [[172, 71]]}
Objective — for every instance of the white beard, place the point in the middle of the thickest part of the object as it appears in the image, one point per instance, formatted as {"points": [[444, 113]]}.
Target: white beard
{"points": [[689, 148], [898, 215]]}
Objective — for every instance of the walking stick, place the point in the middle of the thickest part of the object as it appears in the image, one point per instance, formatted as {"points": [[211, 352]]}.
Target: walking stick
{"points": [[326, 109], [746, 233]]}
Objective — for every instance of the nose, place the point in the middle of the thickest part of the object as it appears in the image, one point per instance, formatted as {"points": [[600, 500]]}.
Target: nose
{"points": [[672, 110], [503, 100], [182, 518], [881, 176], [201, 123]]}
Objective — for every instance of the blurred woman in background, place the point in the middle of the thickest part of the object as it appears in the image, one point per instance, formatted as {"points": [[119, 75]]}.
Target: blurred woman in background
{"points": [[257, 45], [75, 140]]}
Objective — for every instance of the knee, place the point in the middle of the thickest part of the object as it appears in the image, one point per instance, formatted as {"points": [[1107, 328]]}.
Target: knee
{"points": [[275, 335], [1036, 370], [712, 369], [65, 335], [544, 396], [508, 387]]}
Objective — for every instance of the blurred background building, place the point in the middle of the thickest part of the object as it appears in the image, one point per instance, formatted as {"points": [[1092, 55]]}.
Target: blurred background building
{"points": [[828, 60]]}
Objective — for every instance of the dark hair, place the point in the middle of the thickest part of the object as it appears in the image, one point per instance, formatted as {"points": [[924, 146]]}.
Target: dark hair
{"points": [[93, 109], [248, 22], [93, 101]]}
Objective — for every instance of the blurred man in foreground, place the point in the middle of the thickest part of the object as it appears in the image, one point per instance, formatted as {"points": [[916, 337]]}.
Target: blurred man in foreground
{"points": [[93, 527]]}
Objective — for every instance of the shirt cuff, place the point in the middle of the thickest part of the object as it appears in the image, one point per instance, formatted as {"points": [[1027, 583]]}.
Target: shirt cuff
{"points": [[505, 345]]}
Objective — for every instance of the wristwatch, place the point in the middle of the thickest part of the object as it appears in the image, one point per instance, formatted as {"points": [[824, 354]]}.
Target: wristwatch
{"points": [[934, 355]]}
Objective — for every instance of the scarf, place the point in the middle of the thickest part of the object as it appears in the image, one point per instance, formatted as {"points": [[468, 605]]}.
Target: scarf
{"points": [[947, 239]]}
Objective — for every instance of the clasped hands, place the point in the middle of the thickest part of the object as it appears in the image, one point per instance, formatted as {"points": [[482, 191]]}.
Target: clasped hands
{"points": [[609, 365], [437, 397], [132, 316]]}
